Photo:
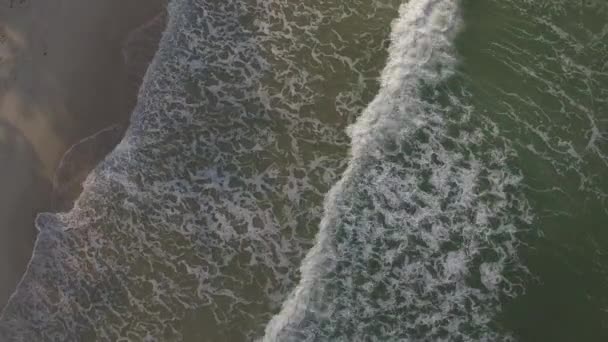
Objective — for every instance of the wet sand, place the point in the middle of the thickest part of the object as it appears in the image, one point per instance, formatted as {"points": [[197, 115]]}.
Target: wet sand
{"points": [[66, 73]]}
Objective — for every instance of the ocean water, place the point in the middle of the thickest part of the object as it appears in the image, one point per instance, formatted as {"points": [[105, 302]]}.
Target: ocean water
{"points": [[378, 170]]}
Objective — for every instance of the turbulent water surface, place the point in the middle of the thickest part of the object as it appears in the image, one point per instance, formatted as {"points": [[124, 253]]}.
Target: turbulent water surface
{"points": [[364, 170]]}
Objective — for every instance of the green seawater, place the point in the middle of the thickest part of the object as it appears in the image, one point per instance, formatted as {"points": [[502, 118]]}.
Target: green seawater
{"points": [[539, 70]]}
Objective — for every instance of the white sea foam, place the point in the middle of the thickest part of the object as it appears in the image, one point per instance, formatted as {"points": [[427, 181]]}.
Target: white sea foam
{"points": [[418, 232], [197, 222]]}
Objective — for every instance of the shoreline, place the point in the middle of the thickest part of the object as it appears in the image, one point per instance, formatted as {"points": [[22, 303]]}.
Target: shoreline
{"points": [[64, 77]]}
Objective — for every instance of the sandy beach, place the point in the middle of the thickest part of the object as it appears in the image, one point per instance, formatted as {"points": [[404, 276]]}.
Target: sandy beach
{"points": [[68, 70]]}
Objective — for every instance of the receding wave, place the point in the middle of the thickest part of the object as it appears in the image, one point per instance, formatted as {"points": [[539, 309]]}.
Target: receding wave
{"points": [[420, 232]]}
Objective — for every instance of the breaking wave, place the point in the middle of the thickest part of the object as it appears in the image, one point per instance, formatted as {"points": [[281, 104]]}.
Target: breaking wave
{"points": [[420, 231]]}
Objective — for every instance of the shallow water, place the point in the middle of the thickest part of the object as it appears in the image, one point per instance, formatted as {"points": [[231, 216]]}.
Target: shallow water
{"points": [[464, 145]]}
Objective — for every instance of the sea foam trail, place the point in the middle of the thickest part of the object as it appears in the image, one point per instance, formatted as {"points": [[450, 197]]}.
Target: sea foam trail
{"points": [[418, 233]]}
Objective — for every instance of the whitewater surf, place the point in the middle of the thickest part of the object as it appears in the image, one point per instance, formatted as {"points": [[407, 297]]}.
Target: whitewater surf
{"points": [[272, 186], [418, 232]]}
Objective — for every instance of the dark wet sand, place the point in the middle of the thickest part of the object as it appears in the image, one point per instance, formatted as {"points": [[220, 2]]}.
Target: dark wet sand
{"points": [[63, 78]]}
